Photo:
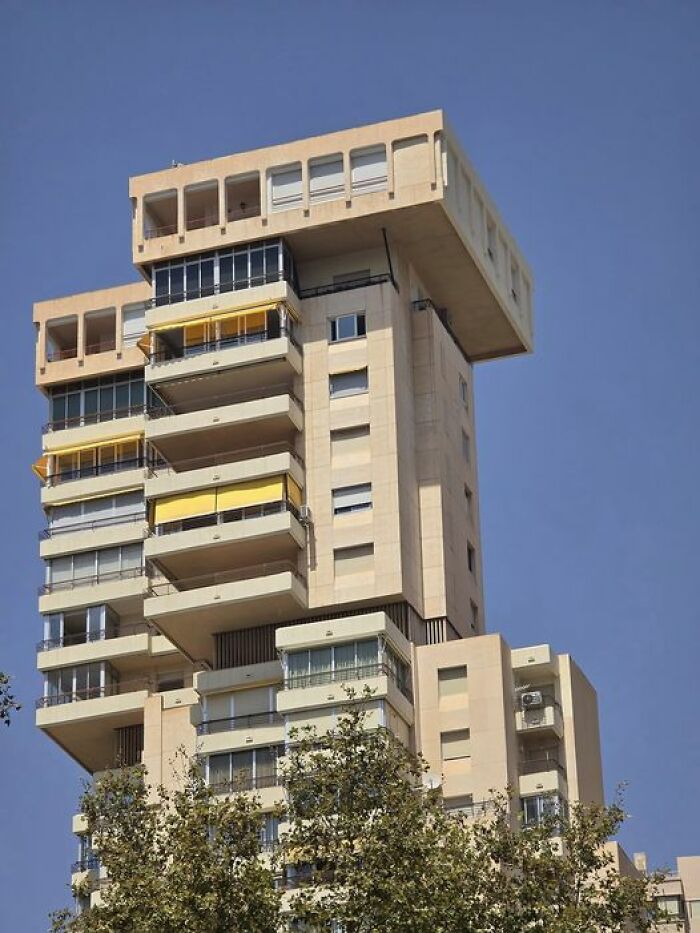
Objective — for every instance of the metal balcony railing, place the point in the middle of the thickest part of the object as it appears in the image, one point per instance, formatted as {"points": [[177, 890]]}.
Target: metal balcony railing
{"points": [[227, 576], [215, 726], [92, 525], [538, 716], [89, 471], [102, 346], [86, 638], [331, 288], [168, 354], [544, 763], [65, 353], [154, 232], [221, 518], [150, 683], [344, 675], [219, 401], [247, 781], [89, 863], [472, 810], [92, 580], [95, 417]]}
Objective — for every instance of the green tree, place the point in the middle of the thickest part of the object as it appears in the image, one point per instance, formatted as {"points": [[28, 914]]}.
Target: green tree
{"points": [[8, 704], [366, 845], [188, 862], [371, 848]]}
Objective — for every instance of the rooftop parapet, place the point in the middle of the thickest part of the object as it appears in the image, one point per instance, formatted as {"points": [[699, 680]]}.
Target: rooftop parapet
{"points": [[403, 182]]}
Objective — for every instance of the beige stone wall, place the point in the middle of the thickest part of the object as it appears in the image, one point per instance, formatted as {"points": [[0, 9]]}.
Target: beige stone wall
{"points": [[581, 733]]}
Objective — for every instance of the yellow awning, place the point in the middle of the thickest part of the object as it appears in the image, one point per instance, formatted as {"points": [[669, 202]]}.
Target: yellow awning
{"points": [[293, 492], [186, 505], [220, 315], [59, 451], [253, 492], [41, 467], [144, 344]]}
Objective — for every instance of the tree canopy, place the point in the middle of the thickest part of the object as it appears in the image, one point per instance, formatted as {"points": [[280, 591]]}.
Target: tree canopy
{"points": [[365, 845], [8, 704]]}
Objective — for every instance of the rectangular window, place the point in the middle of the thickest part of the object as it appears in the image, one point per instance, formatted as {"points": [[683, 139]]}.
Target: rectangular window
{"points": [[455, 744], [471, 559], [350, 560], [350, 445], [326, 178], [133, 323], [452, 681], [346, 327], [354, 382], [285, 188], [368, 171], [464, 391], [469, 500], [670, 905], [352, 499], [694, 909], [466, 448], [515, 283], [316, 665]]}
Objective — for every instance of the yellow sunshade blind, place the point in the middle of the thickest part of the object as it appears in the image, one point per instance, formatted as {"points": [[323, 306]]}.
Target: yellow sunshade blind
{"points": [[219, 316], [40, 467], [293, 492], [95, 444], [173, 508], [253, 492], [144, 344]]}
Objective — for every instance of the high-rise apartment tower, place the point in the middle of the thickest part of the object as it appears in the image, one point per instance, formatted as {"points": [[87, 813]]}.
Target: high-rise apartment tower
{"points": [[259, 473]]}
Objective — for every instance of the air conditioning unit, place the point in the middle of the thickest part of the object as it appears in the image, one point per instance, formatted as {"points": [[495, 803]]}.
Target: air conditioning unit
{"points": [[532, 700], [305, 515]]}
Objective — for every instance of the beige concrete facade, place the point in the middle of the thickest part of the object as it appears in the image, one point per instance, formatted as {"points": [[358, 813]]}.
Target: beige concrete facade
{"points": [[260, 476], [678, 897]]}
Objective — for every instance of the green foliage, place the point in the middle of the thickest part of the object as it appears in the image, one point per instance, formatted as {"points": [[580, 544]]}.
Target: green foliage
{"points": [[8, 704], [366, 845], [184, 862], [380, 853]]}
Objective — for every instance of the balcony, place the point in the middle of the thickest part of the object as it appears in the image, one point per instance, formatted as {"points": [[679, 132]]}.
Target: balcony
{"points": [[217, 542], [215, 424], [89, 721], [100, 533], [191, 610], [83, 722], [327, 687], [73, 639], [240, 732], [538, 761], [124, 647], [243, 348], [545, 719], [117, 587]]}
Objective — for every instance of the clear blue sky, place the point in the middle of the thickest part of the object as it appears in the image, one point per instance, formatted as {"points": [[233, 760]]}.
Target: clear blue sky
{"points": [[582, 119]]}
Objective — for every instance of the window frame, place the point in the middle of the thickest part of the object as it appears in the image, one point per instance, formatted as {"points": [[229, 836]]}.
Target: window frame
{"points": [[359, 319], [348, 393]]}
